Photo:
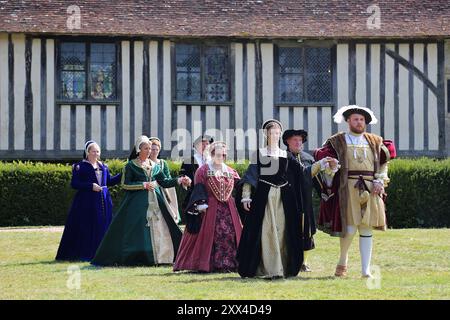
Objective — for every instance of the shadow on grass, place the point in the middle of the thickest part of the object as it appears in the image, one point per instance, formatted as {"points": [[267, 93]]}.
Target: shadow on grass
{"points": [[121, 267], [232, 276], [24, 264], [194, 276], [256, 280]]}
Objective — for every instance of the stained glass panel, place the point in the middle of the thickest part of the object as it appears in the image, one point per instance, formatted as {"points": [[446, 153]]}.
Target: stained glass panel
{"points": [[99, 69], [73, 65], [188, 86], [216, 74], [103, 70], [73, 56], [73, 85]]}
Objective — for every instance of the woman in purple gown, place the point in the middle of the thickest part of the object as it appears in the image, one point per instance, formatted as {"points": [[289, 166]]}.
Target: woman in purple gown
{"points": [[91, 211]]}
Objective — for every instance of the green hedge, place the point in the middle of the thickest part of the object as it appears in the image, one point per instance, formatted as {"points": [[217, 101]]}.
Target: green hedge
{"points": [[419, 193], [40, 194]]}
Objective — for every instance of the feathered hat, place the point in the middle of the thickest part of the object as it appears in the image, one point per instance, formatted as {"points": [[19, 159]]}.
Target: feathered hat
{"points": [[344, 112]]}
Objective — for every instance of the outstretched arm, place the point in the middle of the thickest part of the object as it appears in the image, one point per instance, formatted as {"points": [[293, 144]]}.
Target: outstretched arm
{"points": [[112, 180]]}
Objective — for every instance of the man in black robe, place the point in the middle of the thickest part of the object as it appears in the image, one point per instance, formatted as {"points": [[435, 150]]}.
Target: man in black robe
{"points": [[190, 166], [294, 140]]}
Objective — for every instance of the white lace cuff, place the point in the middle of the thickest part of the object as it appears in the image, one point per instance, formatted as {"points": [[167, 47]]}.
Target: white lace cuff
{"points": [[246, 192], [202, 207], [325, 167], [382, 178], [377, 181]]}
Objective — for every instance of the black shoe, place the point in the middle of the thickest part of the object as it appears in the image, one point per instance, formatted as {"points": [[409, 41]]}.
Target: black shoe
{"points": [[305, 268], [271, 278]]}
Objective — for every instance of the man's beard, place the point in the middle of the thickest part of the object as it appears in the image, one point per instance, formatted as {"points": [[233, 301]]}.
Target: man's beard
{"points": [[357, 130]]}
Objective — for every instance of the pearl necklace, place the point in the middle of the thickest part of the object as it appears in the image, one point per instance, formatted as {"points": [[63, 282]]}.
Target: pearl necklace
{"points": [[145, 165]]}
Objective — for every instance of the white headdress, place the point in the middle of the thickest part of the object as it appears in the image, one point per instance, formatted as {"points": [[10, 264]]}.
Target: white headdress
{"points": [[267, 122], [216, 144], [140, 140], [87, 145], [344, 112]]}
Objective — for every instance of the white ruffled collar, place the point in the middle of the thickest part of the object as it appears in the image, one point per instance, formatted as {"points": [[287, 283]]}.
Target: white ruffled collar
{"points": [[355, 138], [211, 168], [280, 153], [199, 158]]}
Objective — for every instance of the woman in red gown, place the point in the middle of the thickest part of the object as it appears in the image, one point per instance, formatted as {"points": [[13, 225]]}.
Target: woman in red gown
{"points": [[210, 244]]}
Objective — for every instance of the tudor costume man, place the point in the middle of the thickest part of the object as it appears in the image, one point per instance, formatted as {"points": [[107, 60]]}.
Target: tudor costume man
{"points": [[353, 198], [188, 168], [294, 140]]}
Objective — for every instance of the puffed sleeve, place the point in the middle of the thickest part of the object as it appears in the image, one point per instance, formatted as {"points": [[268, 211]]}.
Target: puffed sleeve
{"points": [[319, 154], [128, 181], [388, 151], [77, 182]]}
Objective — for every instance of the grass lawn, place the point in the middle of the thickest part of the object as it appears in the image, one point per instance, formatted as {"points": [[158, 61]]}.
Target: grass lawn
{"points": [[413, 263]]}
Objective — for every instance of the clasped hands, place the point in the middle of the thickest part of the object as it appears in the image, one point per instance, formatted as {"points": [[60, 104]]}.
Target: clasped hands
{"points": [[96, 187], [332, 163], [184, 181]]}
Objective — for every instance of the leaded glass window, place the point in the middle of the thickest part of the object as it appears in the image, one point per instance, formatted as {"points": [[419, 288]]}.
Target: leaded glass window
{"points": [[73, 70], [216, 73], [87, 71], [304, 75], [188, 72], [202, 73], [102, 72]]}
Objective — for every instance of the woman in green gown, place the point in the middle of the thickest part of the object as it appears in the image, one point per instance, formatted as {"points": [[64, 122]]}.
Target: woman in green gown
{"points": [[142, 231], [170, 194]]}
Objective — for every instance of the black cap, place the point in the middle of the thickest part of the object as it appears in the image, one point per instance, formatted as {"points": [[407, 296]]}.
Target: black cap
{"points": [[291, 132], [360, 111], [203, 138]]}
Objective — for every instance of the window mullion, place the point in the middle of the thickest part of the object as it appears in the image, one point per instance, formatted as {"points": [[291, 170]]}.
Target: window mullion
{"points": [[88, 71], [59, 69], [229, 72], [202, 73], [305, 75]]}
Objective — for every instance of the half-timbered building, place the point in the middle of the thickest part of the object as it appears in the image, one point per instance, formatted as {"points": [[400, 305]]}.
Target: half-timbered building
{"points": [[111, 70]]}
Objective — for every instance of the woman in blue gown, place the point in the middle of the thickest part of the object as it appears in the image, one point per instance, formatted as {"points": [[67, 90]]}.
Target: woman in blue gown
{"points": [[91, 211]]}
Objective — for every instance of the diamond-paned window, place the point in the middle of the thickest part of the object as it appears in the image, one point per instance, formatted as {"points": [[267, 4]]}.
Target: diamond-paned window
{"points": [[73, 71], [304, 75], [88, 71], [202, 73], [103, 71], [188, 72]]}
